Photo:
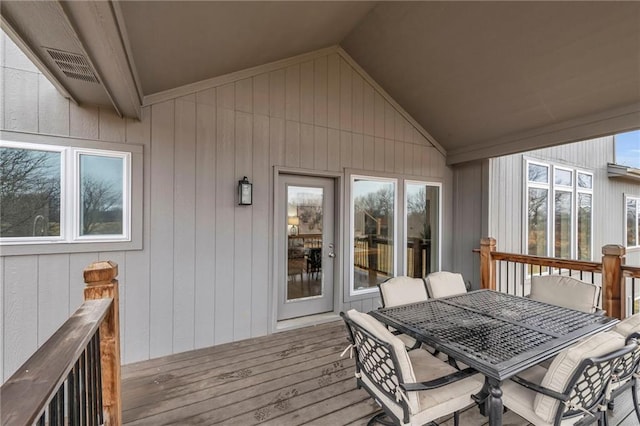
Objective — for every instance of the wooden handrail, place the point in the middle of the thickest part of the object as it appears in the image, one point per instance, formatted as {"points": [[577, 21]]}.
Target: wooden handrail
{"points": [[70, 357], [32, 386], [612, 269]]}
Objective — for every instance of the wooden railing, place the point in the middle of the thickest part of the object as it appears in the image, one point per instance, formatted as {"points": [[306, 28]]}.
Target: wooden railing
{"points": [[511, 273], [375, 254], [74, 377]]}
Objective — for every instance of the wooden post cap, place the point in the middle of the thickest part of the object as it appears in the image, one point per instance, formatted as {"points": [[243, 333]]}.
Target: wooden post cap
{"points": [[613, 250], [103, 271], [487, 241]]}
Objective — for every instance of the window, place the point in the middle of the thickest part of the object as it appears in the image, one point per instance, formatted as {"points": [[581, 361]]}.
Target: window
{"points": [[373, 233], [422, 223], [389, 238], [632, 223], [63, 194], [626, 149], [559, 204]]}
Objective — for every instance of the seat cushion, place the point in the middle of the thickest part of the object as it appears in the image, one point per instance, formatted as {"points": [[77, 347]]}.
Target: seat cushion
{"points": [[445, 400], [443, 284], [629, 325], [520, 400], [563, 291], [564, 365], [402, 290]]}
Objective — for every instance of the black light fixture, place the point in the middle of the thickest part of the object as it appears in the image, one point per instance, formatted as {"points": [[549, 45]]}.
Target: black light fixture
{"points": [[245, 192]]}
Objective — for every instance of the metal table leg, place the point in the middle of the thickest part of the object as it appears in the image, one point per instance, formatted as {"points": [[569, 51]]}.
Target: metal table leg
{"points": [[495, 403]]}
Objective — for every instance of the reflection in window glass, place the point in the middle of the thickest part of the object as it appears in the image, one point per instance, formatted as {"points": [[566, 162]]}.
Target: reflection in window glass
{"points": [[304, 248], [422, 228], [29, 193], [101, 195], [585, 181], [537, 221], [563, 177], [584, 226], [538, 173], [374, 205], [562, 222], [632, 225]]}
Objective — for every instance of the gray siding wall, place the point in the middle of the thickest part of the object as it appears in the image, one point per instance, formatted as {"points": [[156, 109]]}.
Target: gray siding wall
{"points": [[506, 224], [204, 275]]}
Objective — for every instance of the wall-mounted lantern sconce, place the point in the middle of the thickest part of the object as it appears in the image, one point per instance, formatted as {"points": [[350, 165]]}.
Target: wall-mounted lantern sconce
{"points": [[245, 192]]}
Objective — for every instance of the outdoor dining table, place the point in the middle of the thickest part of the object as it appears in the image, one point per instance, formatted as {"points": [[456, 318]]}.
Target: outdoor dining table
{"points": [[497, 334]]}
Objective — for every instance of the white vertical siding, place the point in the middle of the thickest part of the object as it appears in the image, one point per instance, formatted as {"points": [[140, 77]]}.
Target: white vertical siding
{"points": [[203, 276]]}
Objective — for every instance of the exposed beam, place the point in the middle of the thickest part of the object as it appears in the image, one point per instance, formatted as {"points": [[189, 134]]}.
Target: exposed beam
{"points": [[603, 123]]}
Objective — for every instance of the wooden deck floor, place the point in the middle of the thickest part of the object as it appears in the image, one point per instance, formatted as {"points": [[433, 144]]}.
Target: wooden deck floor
{"points": [[289, 378]]}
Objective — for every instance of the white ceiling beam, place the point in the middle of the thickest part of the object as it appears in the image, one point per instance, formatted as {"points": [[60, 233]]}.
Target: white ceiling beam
{"points": [[603, 123]]}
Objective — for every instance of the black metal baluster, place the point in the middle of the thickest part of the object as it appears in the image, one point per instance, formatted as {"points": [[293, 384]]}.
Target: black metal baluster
{"points": [[90, 385], [83, 388], [61, 404], [99, 378], [53, 411], [74, 413]]}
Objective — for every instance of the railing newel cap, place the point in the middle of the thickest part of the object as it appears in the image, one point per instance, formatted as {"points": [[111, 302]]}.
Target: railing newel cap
{"points": [[614, 250], [100, 272]]}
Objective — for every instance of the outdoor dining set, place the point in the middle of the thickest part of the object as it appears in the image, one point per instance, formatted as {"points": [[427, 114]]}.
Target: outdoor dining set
{"points": [[434, 349]]}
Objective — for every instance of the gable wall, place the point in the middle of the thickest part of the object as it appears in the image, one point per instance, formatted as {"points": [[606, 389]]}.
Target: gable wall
{"points": [[204, 275]]}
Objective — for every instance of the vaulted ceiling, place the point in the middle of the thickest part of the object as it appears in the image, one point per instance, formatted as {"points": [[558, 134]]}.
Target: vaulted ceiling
{"points": [[483, 78]]}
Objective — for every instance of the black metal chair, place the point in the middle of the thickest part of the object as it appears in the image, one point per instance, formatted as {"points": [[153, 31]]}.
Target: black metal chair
{"points": [[411, 387], [626, 377], [577, 393]]}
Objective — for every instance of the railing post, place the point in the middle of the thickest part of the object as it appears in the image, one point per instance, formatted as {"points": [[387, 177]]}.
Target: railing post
{"points": [[101, 281], [487, 264], [613, 285], [417, 258]]}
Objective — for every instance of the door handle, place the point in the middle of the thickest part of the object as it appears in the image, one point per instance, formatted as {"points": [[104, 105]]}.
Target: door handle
{"points": [[332, 255]]}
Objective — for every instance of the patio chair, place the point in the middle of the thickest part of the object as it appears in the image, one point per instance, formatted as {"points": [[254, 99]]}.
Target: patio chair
{"points": [[413, 388], [400, 291], [573, 389], [567, 292], [627, 375], [443, 284]]}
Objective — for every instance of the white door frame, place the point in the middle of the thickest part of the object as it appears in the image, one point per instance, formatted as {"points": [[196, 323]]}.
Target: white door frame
{"points": [[276, 257]]}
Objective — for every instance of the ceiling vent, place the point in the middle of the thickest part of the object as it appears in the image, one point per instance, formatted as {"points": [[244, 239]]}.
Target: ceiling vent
{"points": [[73, 65]]}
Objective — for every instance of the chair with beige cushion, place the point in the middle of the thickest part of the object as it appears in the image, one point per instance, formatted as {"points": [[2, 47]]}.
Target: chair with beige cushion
{"points": [[627, 375], [573, 388], [400, 291], [443, 284], [413, 388], [567, 292]]}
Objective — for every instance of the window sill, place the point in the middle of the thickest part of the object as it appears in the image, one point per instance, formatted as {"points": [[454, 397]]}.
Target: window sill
{"points": [[64, 247]]}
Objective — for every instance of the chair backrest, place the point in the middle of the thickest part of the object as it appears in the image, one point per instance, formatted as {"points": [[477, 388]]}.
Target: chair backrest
{"points": [[402, 290], [582, 372], [443, 284], [567, 292], [380, 356]]}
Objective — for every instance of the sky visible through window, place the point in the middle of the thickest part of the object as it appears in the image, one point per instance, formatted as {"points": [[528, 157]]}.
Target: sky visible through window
{"points": [[628, 149]]}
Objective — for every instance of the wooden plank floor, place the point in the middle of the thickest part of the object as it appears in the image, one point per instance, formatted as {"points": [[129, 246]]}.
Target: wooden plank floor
{"points": [[290, 378]]}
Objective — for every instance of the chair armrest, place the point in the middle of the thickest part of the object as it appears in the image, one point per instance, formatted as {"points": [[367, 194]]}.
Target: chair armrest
{"points": [[540, 389], [439, 382]]}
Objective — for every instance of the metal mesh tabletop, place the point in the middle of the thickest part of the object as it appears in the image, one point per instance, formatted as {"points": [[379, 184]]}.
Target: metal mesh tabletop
{"points": [[492, 329]]}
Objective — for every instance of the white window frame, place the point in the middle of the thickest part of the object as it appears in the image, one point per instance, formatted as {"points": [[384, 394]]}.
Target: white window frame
{"points": [[637, 200], [408, 182], [132, 236], [126, 195], [552, 188], [578, 191], [352, 179]]}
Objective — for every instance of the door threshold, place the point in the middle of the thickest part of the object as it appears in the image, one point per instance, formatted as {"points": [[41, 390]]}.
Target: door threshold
{"points": [[306, 321]]}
